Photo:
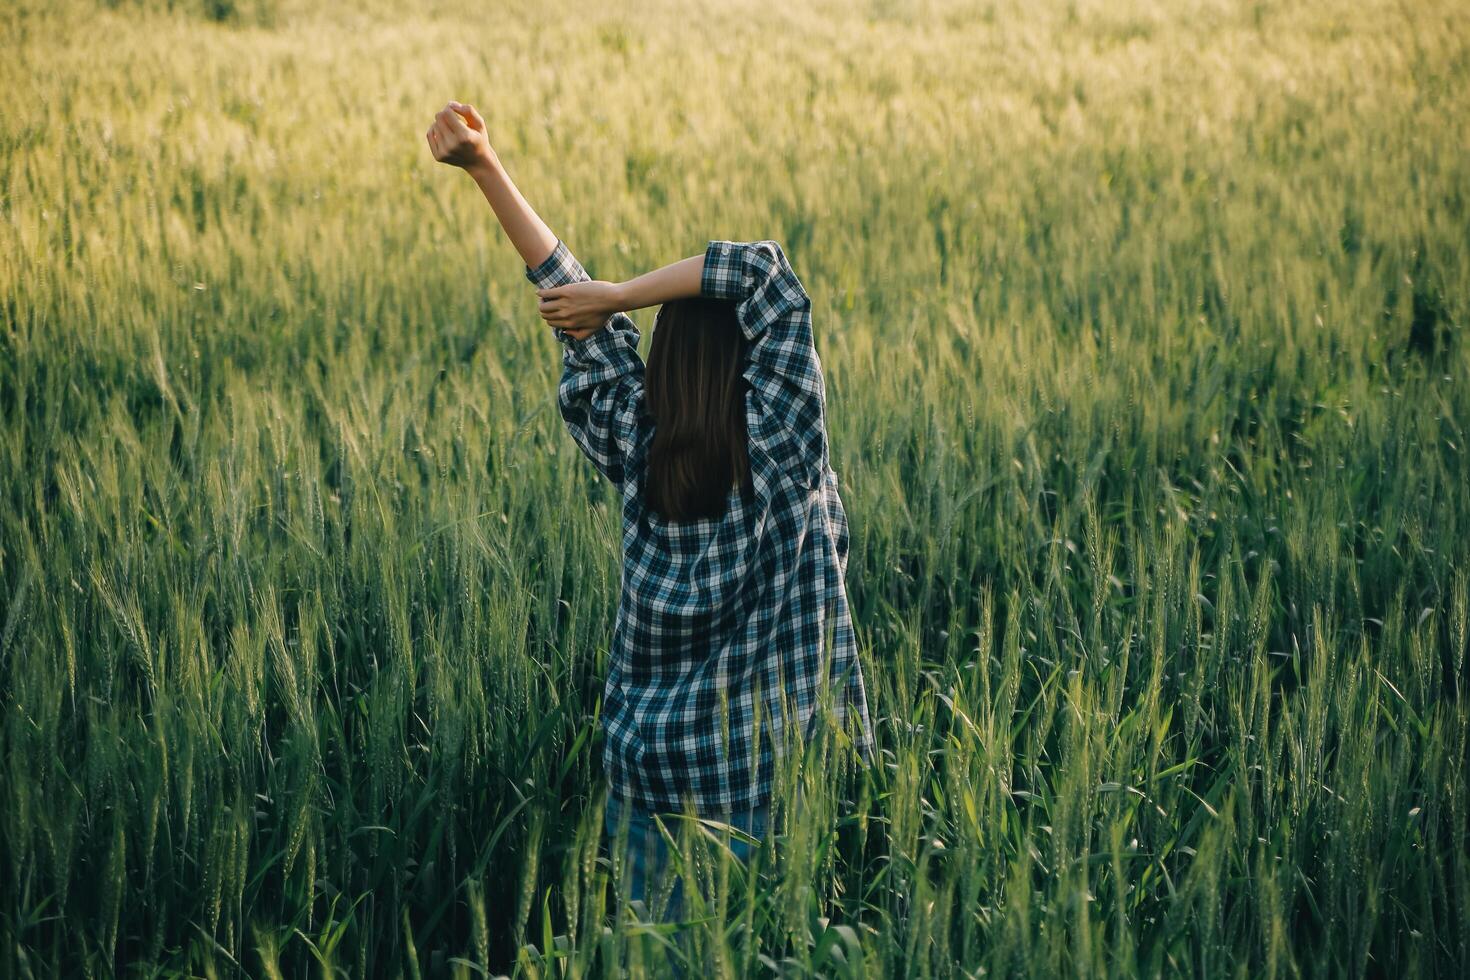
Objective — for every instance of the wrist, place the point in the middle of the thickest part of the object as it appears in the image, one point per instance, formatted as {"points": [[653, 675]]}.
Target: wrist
{"points": [[620, 298], [487, 166]]}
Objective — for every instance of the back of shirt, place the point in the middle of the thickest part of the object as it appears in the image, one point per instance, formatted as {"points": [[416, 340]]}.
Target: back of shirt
{"points": [[731, 632]]}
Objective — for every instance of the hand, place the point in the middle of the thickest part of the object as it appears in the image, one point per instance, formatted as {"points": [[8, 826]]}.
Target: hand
{"points": [[458, 137], [580, 306]]}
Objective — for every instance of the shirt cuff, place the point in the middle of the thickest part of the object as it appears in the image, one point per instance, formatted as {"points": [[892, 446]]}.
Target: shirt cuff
{"points": [[723, 276], [560, 268]]}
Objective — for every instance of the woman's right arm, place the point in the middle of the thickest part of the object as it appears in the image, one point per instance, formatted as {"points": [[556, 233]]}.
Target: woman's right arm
{"points": [[585, 304], [784, 371], [774, 311]]}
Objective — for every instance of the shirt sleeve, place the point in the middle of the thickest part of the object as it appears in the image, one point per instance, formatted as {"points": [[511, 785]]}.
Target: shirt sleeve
{"points": [[600, 395], [783, 370]]}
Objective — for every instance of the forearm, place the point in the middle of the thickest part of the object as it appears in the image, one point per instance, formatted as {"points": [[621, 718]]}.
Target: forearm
{"points": [[527, 232], [586, 306], [677, 280]]}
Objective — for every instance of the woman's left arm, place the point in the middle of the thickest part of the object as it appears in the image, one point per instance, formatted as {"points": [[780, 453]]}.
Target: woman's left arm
{"points": [[458, 137], [601, 391]]}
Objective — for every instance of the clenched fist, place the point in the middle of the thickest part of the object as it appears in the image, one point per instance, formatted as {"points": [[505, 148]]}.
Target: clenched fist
{"points": [[458, 137]]}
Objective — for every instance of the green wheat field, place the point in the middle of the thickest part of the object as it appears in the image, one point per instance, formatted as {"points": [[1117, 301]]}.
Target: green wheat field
{"points": [[1148, 388]]}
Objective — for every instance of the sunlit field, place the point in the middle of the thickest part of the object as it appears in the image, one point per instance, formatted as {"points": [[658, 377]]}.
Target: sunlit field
{"points": [[1144, 334]]}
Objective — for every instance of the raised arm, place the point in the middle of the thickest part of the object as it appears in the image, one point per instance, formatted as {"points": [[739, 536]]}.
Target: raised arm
{"points": [[459, 138], [601, 391]]}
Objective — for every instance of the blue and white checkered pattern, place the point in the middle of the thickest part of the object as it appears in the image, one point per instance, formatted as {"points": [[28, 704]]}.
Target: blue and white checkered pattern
{"points": [[729, 630]]}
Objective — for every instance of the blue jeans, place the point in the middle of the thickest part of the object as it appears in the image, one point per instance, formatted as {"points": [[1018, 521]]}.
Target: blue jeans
{"points": [[647, 854]]}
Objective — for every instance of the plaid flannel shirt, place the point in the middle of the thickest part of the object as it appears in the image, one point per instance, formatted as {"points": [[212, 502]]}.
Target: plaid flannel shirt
{"points": [[728, 629]]}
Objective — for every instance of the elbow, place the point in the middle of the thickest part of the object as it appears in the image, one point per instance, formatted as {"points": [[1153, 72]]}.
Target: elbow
{"points": [[773, 261]]}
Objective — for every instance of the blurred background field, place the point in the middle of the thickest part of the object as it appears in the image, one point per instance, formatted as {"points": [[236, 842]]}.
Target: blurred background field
{"points": [[1143, 326]]}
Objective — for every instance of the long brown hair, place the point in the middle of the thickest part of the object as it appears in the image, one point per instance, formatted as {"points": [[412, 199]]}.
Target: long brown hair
{"points": [[695, 389]]}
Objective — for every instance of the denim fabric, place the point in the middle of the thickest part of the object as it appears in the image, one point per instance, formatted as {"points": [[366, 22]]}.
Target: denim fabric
{"points": [[647, 853]]}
